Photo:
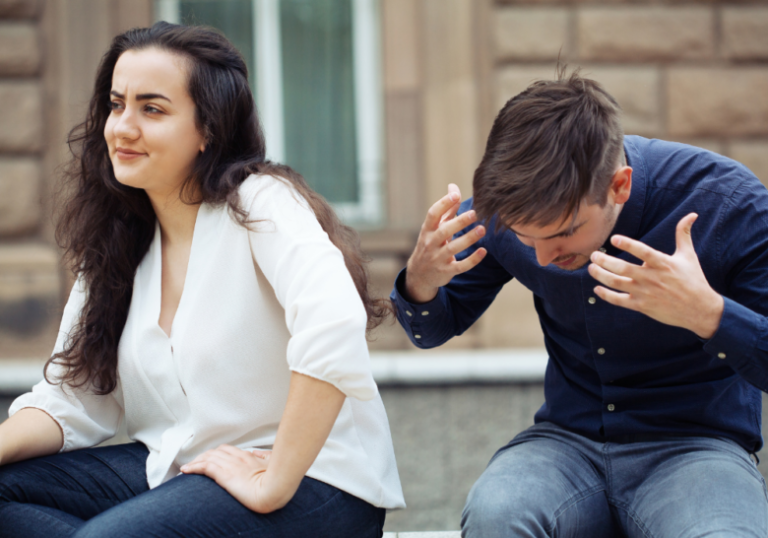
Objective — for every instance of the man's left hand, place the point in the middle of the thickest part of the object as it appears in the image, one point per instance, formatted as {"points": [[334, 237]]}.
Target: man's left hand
{"points": [[670, 289]]}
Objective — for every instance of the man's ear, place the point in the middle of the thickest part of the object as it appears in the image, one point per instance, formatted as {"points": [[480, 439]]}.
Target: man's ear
{"points": [[621, 185]]}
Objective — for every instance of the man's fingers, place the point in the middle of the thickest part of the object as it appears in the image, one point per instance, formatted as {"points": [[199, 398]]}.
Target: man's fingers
{"points": [[438, 209], [462, 243], [638, 249], [683, 233], [448, 229], [468, 263], [610, 279], [615, 265], [614, 297]]}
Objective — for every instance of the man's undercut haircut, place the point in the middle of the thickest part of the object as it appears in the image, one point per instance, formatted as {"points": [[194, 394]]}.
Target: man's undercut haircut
{"points": [[553, 145]]}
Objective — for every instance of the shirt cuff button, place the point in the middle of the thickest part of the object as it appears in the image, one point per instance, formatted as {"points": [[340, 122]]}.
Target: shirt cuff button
{"points": [[721, 355]]}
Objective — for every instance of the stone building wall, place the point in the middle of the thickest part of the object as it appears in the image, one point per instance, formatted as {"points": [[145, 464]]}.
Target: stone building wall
{"points": [[688, 70], [29, 269]]}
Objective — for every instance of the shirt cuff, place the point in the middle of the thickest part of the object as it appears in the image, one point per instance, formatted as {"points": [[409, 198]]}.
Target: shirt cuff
{"points": [[736, 338], [414, 316]]}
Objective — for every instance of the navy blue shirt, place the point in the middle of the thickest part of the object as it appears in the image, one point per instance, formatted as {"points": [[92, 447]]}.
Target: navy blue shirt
{"points": [[616, 372]]}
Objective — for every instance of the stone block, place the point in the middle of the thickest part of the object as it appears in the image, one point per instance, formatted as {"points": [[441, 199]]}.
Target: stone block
{"points": [[522, 33], [705, 102], [29, 287], [745, 33], [753, 154], [513, 79], [19, 195], [636, 89], [19, 49], [21, 117], [645, 33], [19, 8]]}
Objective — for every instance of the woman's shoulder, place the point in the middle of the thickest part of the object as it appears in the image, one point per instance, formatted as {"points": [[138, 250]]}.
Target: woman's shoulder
{"points": [[266, 192]]}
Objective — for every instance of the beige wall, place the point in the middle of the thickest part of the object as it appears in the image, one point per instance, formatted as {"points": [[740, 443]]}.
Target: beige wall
{"points": [[693, 71]]}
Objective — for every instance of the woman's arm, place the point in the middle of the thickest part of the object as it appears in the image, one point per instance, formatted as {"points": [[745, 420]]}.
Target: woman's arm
{"points": [[28, 434], [267, 484]]}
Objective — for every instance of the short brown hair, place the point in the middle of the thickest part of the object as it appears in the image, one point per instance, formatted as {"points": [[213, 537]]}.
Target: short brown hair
{"points": [[551, 146]]}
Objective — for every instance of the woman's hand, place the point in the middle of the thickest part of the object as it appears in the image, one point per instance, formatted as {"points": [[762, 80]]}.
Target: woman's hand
{"points": [[241, 473]]}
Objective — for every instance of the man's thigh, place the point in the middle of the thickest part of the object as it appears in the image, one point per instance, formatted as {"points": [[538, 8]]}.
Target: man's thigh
{"points": [[699, 487], [194, 506], [542, 485]]}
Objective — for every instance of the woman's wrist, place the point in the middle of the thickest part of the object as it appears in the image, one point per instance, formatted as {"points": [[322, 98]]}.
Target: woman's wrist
{"points": [[273, 492]]}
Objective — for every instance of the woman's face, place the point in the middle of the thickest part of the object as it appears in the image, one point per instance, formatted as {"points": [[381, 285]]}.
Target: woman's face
{"points": [[151, 132]]}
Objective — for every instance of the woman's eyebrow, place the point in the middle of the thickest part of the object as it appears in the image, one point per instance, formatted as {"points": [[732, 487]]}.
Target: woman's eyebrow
{"points": [[142, 96]]}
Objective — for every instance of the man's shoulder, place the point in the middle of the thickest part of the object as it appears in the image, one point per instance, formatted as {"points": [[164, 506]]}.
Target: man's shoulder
{"points": [[683, 167]]}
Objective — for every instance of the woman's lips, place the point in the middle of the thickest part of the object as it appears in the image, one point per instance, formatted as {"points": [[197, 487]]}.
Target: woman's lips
{"points": [[127, 154]]}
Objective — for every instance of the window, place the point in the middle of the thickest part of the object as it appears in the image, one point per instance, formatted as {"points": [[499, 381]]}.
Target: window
{"points": [[315, 73]]}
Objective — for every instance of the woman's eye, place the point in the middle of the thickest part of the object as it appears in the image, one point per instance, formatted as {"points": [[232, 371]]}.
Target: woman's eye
{"points": [[114, 105], [152, 110]]}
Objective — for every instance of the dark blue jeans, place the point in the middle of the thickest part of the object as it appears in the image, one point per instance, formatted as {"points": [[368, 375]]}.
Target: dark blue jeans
{"points": [[103, 492]]}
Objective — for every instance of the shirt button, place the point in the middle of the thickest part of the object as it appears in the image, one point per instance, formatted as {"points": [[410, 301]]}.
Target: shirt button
{"points": [[408, 313], [721, 355], [601, 249], [591, 300], [417, 336], [425, 313], [601, 351], [611, 407]]}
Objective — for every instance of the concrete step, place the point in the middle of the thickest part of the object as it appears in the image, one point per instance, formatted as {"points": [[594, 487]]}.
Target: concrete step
{"points": [[444, 534]]}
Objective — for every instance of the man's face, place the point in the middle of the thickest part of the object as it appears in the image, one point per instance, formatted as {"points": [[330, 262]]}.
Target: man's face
{"points": [[568, 244]]}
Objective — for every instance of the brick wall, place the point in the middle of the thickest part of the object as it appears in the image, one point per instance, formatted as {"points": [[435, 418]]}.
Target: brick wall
{"points": [[692, 71], [29, 268]]}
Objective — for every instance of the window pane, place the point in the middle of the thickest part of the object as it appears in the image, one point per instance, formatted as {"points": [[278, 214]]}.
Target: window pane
{"points": [[318, 95], [234, 18]]}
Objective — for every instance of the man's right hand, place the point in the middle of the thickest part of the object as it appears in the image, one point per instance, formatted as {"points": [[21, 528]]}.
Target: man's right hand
{"points": [[433, 262]]}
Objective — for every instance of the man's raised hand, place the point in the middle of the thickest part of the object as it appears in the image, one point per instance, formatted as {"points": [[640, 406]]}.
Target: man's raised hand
{"points": [[433, 263], [670, 289]]}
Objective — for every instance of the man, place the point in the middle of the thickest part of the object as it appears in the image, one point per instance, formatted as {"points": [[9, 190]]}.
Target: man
{"points": [[648, 261]]}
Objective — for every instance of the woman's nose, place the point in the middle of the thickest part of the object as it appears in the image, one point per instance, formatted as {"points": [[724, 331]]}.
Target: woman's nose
{"points": [[126, 127]]}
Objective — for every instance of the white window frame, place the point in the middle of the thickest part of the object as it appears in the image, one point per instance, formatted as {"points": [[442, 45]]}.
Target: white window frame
{"points": [[369, 129]]}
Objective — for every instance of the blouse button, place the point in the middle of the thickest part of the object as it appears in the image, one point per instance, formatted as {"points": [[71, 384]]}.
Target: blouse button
{"points": [[611, 407], [721, 355], [591, 300], [601, 351]]}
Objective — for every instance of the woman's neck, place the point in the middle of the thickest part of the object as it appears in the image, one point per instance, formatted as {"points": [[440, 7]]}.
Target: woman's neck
{"points": [[176, 219]]}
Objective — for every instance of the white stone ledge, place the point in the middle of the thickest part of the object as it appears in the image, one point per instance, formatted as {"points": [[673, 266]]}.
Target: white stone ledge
{"points": [[445, 534], [433, 367]]}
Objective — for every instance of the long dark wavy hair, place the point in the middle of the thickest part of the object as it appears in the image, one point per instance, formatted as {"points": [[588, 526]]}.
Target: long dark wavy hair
{"points": [[106, 227]]}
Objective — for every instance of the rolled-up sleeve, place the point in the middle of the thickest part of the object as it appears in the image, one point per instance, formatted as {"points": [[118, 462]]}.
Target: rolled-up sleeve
{"points": [[323, 310], [86, 419]]}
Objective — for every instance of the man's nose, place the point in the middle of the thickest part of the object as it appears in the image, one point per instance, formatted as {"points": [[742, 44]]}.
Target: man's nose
{"points": [[545, 253]]}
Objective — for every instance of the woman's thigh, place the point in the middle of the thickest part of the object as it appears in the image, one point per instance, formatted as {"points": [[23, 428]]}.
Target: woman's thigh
{"points": [[53, 495], [194, 506]]}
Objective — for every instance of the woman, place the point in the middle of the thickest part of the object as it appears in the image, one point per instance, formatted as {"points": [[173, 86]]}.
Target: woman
{"points": [[220, 309]]}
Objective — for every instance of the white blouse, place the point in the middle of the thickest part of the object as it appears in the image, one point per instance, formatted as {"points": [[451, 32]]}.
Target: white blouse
{"points": [[257, 304]]}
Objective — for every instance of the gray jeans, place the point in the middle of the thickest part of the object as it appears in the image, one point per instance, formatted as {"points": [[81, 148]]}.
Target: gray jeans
{"points": [[552, 482]]}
